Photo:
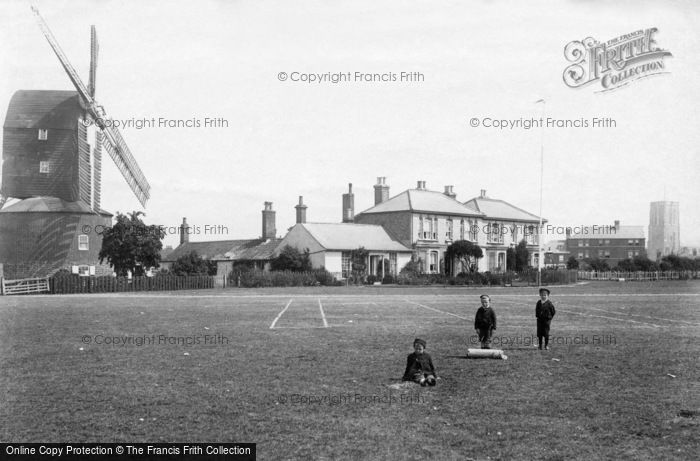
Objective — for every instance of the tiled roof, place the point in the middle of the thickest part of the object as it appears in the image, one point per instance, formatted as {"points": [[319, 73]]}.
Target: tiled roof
{"points": [[500, 209], [250, 249], [609, 232], [423, 200], [49, 204], [349, 236]]}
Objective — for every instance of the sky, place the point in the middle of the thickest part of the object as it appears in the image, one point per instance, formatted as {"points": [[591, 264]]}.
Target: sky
{"points": [[278, 139]]}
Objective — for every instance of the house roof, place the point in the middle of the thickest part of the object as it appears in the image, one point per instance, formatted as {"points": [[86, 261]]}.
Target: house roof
{"points": [[500, 209], [44, 109], [420, 200], [350, 236], [248, 249], [50, 205], [609, 232]]}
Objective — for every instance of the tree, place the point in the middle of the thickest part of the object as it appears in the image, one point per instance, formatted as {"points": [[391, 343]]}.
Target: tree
{"points": [[131, 245], [358, 262], [291, 259], [677, 263], [464, 251], [638, 263], [510, 259], [572, 263], [522, 256], [413, 267], [626, 265], [193, 264], [598, 265]]}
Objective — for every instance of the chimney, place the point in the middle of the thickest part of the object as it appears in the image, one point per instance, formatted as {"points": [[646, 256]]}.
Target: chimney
{"points": [[483, 193], [301, 211], [268, 222], [349, 205], [184, 231], [381, 191], [421, 185], [449, 192]]}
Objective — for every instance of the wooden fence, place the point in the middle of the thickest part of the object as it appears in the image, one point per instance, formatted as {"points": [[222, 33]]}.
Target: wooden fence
{"points": [[64, 284], [637, 276], [24, 286]]}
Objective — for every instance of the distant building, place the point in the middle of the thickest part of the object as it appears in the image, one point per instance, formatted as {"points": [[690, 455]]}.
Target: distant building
{"points": [[257, 252], [330, 246], [664, 230], [555, 254], [690, 251], [611, 243]]}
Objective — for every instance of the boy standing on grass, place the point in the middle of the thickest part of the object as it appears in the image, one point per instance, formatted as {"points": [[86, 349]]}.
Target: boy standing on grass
{"points": [[419, 365], [485, 322], [544, 311]]}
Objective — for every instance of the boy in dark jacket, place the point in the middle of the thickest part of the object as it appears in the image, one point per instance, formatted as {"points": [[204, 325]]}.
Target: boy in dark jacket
{"points": [[544, 311], [485, 322], [419, 365]]}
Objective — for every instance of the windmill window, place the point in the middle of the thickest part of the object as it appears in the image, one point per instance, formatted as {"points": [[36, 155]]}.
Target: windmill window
{"points": [[43, 135], [83, 242], [43, 167]]}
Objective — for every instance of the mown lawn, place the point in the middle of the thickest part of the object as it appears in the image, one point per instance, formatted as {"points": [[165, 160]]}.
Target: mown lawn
{"points": [[623, 367]]}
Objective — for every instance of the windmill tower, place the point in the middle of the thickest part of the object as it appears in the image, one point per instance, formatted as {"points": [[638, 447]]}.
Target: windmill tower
{"points": [[52, 163]]}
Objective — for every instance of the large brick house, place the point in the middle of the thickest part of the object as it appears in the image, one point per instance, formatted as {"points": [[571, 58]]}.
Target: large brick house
{"points": [[429, 221], [611, 243]]}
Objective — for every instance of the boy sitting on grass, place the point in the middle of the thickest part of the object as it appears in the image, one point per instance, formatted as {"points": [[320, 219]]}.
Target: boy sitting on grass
{"points": [[419, 365]]}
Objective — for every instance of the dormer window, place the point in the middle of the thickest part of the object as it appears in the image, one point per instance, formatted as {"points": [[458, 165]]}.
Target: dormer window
{"points": [[43, 135]]}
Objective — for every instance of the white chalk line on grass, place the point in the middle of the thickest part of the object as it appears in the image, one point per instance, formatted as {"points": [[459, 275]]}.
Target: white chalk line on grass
{"points": [[610, 318], [639, 315], [436, 310], [280, 314], [623, 314], [323, 315]]}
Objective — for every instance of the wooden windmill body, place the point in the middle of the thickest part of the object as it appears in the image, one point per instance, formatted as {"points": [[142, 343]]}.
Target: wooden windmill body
{"points": [[52, 162]]}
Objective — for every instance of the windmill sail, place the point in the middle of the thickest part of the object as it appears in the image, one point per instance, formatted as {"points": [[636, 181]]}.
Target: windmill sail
{"points": [[120, 153], [113, 141], [94, 51]]}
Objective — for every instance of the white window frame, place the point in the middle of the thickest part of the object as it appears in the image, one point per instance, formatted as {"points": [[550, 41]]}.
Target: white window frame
{"points": [[83, 242], [495, 234], [43, 135], [44, 166]]}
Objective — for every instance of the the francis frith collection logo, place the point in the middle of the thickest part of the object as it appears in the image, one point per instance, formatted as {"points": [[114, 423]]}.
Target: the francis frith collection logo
{"points": [[614, 63]]}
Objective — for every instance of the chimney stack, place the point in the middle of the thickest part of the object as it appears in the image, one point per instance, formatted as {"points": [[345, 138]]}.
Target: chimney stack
{"points": [[449, 192], [381, 191], [301, 211], [483, 193], [268, 222], [184, 231], [349, 205], [421, 185]]}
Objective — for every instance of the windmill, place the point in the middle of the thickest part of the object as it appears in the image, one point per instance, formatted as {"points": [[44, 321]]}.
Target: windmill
{"points": [[51, 167]]}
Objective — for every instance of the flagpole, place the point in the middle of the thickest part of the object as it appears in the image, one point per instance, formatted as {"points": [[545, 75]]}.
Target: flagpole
{"points": [[540, 259]]}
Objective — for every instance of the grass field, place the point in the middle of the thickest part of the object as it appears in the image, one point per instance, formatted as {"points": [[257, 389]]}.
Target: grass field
{"points": [[311, 373]]}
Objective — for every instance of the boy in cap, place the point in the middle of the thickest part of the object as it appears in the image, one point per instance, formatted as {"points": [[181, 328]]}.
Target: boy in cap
{"points": [[544, 311], [485, 321], [419, 365]]}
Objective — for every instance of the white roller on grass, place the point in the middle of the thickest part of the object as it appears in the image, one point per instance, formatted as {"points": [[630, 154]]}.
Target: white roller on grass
{"points": [[486, 354]]}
